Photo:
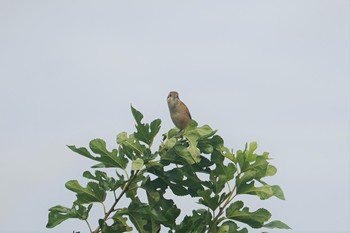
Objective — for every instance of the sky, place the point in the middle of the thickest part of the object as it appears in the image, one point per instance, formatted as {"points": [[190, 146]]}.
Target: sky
{"points": [[275, 72]]}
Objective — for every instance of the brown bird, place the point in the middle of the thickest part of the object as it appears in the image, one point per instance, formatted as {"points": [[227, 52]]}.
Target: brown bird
{"points": [[179, 112]]}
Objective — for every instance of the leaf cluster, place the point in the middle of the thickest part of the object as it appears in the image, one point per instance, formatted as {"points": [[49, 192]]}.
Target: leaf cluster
{"points": [[193, 163]]}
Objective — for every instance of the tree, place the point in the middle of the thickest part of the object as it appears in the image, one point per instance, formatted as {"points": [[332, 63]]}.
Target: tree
{"points": [[193, 163]]}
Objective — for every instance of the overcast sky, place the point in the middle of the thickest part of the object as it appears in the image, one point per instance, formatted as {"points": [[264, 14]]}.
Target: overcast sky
{"points": [[275, 72]]}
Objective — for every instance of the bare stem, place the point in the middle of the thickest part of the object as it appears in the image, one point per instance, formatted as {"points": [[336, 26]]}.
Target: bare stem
{"points": [[115, 195], [88, 225]]}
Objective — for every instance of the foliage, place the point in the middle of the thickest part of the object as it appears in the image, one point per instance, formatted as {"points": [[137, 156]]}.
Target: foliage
{"points": [[193, 163]]}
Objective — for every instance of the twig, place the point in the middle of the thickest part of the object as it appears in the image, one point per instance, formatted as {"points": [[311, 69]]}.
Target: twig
{"points": [[228, 201], [132, 178]]}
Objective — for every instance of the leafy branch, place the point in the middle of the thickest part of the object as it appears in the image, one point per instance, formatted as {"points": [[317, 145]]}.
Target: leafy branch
{"points": [[193, 163], [117, 199]]}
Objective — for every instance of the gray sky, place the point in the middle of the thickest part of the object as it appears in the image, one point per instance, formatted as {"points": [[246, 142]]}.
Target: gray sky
{"points": [[275, 72]]}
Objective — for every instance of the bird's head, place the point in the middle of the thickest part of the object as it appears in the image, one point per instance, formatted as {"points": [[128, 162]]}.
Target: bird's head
{"points": [[173, 99]]}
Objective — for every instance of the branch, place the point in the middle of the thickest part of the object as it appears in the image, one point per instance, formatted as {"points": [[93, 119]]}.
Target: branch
{"points": [[228, 201], [132, 178]]}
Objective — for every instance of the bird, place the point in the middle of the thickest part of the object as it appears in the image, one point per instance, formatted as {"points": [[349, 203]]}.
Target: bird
{"points": [[179, 113]]}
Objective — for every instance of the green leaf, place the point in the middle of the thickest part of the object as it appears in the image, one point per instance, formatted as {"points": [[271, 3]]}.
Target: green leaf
{"points": [[120, 161], [181, 180], [271, 170], [87, 174], [82, 151], [197, 223], [139, 216], [277, 224], [131, 146], [137, 115], [191, 156], [192, 149], [229, 154], [98, 146], [154, 128], [170, 143], [205, 148], [217, 142], [222, 173], [133, 189], [250, 156], [92, 193], [169, 210], [120, 224], [171, 133], [137, 164], [210, 201], [265, 155], [263, 192], [243, 164], [83, 212], [122, 137], [254, 219], [224, 229], [193, 125], [58, 214], [107, 159], [231, 227], [112, 159], [252, 147], [145, 132], [234, 207], [193, 135], [221, 170], [256, 170], [105, 182], [277, 192], [205, 131], [260, 166], [247, 176]]}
